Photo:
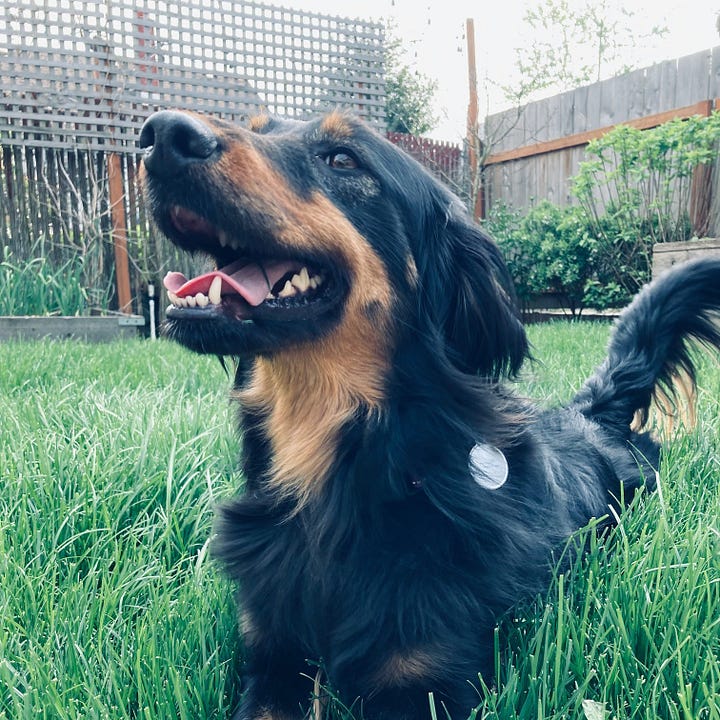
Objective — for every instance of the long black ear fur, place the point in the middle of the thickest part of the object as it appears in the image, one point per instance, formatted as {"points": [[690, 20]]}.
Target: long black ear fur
{"points": [[468, 293]]}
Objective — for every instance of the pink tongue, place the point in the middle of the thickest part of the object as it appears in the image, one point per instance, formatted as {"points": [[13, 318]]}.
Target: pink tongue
{"points": [[249, 280]]}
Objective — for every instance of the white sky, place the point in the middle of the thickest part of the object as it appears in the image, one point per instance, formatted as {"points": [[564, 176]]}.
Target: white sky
{"points": [[434, 32]]}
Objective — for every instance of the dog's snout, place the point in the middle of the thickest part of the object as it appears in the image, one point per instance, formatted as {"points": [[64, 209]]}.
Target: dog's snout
{"points": [[173, 140]]}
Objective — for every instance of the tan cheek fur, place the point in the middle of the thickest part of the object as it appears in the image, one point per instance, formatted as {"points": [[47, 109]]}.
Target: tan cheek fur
{"points": [[308, 392]]}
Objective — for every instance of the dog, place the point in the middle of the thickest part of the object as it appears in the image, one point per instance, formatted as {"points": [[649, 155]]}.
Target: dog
{"points": [[399, 495]]}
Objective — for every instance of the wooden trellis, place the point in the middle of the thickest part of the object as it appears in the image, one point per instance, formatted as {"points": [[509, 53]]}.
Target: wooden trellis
{"points": [[87, 74]]}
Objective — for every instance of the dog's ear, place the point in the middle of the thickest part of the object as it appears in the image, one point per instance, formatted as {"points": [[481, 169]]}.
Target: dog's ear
{"points": [[467, 294]]}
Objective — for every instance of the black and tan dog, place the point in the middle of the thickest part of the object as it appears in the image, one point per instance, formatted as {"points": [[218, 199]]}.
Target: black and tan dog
{"points": [[398, 495]]}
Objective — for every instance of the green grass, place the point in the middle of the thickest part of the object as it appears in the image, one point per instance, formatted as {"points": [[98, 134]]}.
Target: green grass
{"points": [[113, 457], [111, 460], [37, 286]]}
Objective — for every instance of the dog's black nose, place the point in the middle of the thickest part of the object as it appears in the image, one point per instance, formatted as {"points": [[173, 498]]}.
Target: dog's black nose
{"points": [[172, 140]]}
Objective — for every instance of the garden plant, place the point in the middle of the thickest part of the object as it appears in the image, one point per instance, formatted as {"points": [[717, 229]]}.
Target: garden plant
{"points": [[636, 188]]}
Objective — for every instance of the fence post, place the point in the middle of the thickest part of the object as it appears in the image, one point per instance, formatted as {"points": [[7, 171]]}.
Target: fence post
{"points": [[473, 133], [119, 233]]}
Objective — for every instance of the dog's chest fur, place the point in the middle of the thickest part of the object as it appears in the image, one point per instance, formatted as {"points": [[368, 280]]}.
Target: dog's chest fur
{"points": [[314, 581]]}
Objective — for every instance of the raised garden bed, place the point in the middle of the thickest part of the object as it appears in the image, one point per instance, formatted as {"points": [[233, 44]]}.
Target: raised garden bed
{"points": [[93, 328], [665, 255]]}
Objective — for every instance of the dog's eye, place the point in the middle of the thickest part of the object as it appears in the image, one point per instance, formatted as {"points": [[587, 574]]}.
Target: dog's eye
{"points": [[341, 160]]}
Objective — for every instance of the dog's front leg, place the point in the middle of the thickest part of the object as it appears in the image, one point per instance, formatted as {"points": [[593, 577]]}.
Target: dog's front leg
{"points": [[410, 702], [278, 686], [412, 684]]}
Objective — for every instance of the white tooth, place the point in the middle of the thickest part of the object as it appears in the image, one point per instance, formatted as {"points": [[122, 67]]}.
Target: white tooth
{"points": [[182, 302], [172, 297], [317, 280], [214, 291], [201, 300], [287, 291], [301, 281], [191, 301], [270, 296]]}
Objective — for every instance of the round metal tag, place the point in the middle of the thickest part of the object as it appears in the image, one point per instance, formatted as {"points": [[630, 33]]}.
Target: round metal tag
{"points": [[488, 466]]}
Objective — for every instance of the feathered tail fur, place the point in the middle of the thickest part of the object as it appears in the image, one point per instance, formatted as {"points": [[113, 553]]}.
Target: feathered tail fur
{"points": [[649, 352]]}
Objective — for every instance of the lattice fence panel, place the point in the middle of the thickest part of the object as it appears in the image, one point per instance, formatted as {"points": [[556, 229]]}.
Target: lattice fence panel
{"points": [[87, 74]]}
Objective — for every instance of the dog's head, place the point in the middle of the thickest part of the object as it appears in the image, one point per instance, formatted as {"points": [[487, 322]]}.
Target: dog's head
{"points": [[322, 233]]}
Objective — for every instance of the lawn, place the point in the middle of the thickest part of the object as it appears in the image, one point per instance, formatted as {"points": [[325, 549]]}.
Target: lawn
{"points": [[113, 457]]}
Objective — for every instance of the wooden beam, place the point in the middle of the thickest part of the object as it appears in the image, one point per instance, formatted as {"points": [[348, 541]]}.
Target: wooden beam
{"points": [[473, 133], [119, 233], [703, 108]]}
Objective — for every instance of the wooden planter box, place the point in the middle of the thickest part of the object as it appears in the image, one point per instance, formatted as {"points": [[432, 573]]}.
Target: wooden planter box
{"points": [[93, 329], [665, 255]]}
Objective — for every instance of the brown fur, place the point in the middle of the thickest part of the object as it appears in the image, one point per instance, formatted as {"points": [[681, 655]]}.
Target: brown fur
{"points": [[258, 122], [407, 668], [306, 399], [336, 124]]}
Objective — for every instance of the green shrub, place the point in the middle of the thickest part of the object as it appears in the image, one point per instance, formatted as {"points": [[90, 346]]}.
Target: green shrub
{"points": [[567, 250], [505, 224], [641, 187], [549, 250], [644, 178]]}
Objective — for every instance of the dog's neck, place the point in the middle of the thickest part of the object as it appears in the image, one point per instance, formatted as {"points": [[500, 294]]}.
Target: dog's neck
{"points": [[305, 396]]}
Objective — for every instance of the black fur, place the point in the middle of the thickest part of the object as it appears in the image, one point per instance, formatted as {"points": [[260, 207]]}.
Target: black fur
{"points": [[393, 575]]}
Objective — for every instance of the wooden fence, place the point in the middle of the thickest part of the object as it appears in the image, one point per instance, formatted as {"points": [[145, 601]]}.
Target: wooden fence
{"points": [[80, 82], [445, 160], [536, 149], [56, 203]]}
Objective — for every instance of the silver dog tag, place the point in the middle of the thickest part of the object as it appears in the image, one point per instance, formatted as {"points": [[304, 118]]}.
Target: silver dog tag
{"points": [[488, 466]]}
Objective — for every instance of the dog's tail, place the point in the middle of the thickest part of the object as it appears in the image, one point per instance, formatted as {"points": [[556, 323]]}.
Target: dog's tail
{"points": [[649, 352]]}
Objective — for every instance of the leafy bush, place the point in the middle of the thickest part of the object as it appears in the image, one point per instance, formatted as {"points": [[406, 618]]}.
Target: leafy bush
{"points": [[644, 179], [566, 249], [505, 225], [548, 250], [641, 187]]}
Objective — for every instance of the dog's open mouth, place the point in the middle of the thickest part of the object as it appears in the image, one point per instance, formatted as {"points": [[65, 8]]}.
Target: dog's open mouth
{"points": [[245, 285]]}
